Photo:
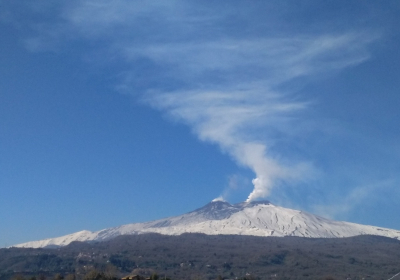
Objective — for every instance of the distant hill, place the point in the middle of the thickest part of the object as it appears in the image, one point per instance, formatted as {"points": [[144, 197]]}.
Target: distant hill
{"points": [[200, 256]]}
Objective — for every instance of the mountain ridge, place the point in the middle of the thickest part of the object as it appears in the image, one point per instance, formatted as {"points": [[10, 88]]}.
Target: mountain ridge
{"points": [[258, 218]]}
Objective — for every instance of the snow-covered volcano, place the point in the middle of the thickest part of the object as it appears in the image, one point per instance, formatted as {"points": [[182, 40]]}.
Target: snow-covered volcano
{"points": [[218, 217]]}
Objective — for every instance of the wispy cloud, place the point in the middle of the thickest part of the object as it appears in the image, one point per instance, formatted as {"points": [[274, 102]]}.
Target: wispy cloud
{"points": [[269, 61], [233, 91], [340, 206], [233, 112]]}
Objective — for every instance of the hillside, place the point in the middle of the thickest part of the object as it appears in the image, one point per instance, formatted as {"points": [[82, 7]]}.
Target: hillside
{"points": [[199, 256]]}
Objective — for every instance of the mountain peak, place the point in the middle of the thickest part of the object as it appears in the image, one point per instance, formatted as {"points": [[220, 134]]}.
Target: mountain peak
{"points": [[259, 218], [216, 210], [220, 209], [252, 203]]}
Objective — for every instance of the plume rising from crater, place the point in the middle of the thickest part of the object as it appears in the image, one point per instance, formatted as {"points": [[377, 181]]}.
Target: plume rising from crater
{"points": [[248, 117]]}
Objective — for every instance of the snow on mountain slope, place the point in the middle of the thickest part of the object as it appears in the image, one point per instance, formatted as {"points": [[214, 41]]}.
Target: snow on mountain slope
{"points": [[254, 218]]}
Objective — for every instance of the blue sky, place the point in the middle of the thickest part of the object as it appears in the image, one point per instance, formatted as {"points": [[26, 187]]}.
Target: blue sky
{"points": [[128, 111]]}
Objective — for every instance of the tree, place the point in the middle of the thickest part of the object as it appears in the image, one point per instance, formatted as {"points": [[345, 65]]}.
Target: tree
{"points": [[58, 276], [94, 275], [18, 277], [70, 277], [111, 272]]}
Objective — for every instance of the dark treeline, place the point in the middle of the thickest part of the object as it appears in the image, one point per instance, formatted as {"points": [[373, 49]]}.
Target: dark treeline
{"points": [[198, 256]]}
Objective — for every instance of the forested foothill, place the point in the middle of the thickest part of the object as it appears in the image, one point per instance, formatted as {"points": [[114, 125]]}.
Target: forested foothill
{"points": [[199, 256]]}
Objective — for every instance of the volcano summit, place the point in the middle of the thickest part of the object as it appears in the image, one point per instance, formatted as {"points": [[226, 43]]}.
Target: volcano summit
{"points": [[260, 218]]}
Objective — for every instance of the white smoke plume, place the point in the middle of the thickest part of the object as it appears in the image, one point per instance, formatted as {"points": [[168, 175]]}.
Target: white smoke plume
{"points": [[231, 120], [243, 117]]}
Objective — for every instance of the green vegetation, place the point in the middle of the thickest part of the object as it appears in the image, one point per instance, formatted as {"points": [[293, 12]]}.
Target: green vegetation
{"points": [[198, 256]]}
